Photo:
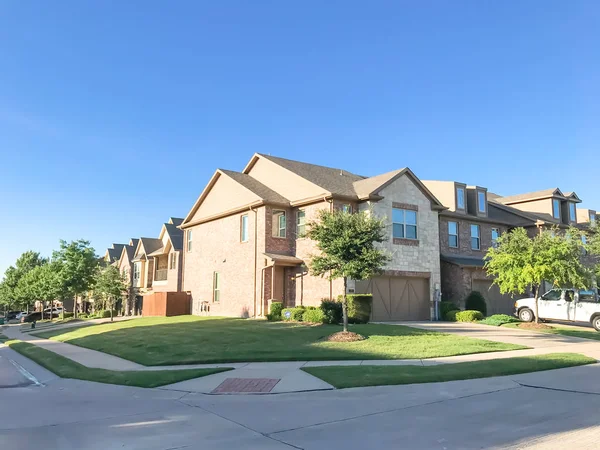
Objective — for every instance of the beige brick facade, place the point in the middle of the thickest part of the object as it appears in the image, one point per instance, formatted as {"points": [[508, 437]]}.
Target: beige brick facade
{"points": [[464, 236]]}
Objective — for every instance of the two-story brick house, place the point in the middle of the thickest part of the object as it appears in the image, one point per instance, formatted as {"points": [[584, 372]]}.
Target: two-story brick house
{"points": [[125, 266], [243, 244]]}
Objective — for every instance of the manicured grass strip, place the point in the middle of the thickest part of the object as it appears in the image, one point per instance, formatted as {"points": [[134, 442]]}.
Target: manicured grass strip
{"points": [[584, 333], [155, 341], [3, 338], [66, 368], [358, 376]]}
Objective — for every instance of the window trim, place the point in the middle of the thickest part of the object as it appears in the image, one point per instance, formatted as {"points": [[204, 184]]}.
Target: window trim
{"points": [[556, 212], [216, 297], [572, 212], [451, 234], [244, 229], [298, 225], [172, 260], [495, 241], [278, 213], [137, 269], [478, 237], [189, 240], [405, 225], [480, 204], [464, 198]]}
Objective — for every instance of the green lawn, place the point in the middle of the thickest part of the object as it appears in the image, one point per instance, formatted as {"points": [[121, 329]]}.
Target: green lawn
{"points": [[192, 339], [66, 368], [357, 376], [584, 333]]}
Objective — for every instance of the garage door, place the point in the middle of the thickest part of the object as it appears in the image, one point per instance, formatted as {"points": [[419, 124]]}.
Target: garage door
{"points": [[495, 301], [398, 298]]}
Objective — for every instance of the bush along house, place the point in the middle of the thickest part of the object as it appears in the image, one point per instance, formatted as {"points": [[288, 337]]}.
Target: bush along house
{"points": [[244, 248]]}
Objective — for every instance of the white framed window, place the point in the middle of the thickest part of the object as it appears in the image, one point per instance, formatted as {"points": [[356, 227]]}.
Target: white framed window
{"points": [[481, 206], [300, 223], [572, 212], [136, 271], [495, 236], [279, 224], [347, 208], [404, 223], [475, 237], [189, 240], [173, 260], [556, 208], [460, 198], [453, 234], [592, 217], [216, 287], [244, 228]]}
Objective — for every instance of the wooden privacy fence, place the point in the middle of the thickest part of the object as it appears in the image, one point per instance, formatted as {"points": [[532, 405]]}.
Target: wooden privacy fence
{"points": [[166, 304]]}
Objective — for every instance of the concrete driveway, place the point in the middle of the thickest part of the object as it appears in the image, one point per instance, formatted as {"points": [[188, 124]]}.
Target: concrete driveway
{"points": [[528, 411]]}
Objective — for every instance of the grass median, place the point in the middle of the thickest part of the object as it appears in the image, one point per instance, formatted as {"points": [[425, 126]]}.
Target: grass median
{"points": [[364, 375], [66, 368], [584, 333], [156, 341]]}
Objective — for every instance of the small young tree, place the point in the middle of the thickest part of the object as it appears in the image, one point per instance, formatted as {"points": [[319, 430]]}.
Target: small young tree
{"points": [[109, 286], [40, 284], [518, 261], [347, 244], [78, 264]]}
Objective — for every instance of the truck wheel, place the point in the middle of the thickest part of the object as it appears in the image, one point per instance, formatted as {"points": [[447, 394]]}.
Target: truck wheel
{"points": [[596, 323], [526, 315]]}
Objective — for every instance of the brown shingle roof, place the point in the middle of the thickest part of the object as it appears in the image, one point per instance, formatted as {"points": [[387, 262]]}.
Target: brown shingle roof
{"points": [[265, 193], [335, 181], [546, 193], [363, 188]]}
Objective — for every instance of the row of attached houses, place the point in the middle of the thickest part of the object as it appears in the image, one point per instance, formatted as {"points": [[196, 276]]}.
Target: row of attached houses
{"points": [[241, 245]]}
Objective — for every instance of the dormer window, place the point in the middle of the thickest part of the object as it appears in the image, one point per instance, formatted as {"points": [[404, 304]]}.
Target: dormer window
{"points": [[556, 208], [460, 198], [481, 203], [592, 217], [572, 212]]}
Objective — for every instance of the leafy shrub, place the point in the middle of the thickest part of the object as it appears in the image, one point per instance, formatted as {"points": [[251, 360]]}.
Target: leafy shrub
{"points": [[451, 315], [332, 311], [298, 313], [313, 315], [446, 307], [276, 308], [285, 316], [359, 307], [469, 316], [81, 316], [104, 314], [499, 319], [476, 302], [66, 315], [310, 307]]}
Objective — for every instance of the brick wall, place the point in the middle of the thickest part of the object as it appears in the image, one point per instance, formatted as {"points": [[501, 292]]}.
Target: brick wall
{"points": [[464, 236], [280, 245], [457, 282]]}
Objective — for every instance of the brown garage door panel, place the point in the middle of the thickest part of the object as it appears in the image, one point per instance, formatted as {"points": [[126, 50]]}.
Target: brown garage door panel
{"points": [[495, 301], [399, 298]]}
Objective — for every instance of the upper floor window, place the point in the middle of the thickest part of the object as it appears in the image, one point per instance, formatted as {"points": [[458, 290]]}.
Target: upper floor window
{"points": [[475, 237], [347, 208], [216, 286], [172, 260], [481, 201], [592, 217], [453, 234], [404, 223], [279, 224], [136, 271], [556, 208], [572, 212], [189, 240], [460, 198], [244, 228], [495, 236], [300, 223]]}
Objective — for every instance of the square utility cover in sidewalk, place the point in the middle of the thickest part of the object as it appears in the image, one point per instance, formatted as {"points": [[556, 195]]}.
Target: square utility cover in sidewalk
{"points": [[248, 385]]}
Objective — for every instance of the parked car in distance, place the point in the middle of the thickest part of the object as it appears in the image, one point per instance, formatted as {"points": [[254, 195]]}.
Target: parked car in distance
{"points": [[34, 316], [55, 312], [12, 315], [571, 305], [21, 315]]}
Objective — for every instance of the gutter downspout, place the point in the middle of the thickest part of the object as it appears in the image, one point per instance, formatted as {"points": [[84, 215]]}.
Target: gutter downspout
{"points": [[255, 254]]}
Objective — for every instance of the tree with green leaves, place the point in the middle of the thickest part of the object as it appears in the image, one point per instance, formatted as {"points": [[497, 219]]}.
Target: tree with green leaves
{"points": [[519, 262], [348, 248], [109, 286], [24, 264], [78, 263], [41, 284]]}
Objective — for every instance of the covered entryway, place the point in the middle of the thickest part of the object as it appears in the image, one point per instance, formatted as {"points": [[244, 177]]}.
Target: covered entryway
{"points": [[496, 302], [397, 298]]}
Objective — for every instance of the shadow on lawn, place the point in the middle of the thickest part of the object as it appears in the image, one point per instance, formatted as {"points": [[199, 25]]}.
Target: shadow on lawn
{"points": [[190, 340]]}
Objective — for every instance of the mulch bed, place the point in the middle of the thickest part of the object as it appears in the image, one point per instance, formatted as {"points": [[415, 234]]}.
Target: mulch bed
{"points": [[347, 336], [534, 326]]}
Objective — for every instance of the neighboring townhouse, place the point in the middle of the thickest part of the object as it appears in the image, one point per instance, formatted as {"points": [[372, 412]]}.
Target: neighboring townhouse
{"points": [[113, 253], [243, 244], [469, 226], [586, 217], [125, 266], [167, 259]]}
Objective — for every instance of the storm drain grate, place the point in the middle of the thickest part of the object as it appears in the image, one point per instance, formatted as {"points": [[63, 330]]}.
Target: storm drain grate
{"points": [[241, 385]]}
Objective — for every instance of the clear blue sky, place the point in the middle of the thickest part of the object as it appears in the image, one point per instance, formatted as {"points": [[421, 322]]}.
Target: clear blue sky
{"points": [[113, 115]]}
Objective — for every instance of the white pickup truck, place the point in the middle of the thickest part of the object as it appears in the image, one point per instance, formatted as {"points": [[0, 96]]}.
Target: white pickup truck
{"points": [[562, 304]]}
